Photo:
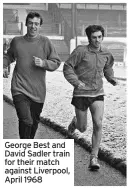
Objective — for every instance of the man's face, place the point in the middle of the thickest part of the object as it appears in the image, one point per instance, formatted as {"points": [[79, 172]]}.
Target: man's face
{"points": [[96, 39], [33, 26]]}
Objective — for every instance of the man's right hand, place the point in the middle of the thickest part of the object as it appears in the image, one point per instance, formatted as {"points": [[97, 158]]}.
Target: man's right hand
{"points": [[5, 72]]}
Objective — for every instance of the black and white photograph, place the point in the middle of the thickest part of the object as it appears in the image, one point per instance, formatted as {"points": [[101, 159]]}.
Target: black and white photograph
{"points": [[65, 77]]}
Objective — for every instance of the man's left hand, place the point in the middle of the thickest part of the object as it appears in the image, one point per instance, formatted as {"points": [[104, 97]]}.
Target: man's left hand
{"points": [[38, 61]]}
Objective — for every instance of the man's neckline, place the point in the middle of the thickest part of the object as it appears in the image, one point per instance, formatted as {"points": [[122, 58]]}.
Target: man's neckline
{"points": [[94, 49], [31, 39]]}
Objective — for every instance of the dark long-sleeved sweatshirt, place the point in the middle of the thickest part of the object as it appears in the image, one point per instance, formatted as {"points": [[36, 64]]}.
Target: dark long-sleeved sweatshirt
{"points": [[28, 78], [88, 66]]}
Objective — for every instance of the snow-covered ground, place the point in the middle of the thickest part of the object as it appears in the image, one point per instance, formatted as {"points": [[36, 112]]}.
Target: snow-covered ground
{"points": [[57, 108]]}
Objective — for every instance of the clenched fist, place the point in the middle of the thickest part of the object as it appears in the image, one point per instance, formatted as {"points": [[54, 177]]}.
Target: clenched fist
{"points": [[5, 72], [81, 85], [38, 61]]}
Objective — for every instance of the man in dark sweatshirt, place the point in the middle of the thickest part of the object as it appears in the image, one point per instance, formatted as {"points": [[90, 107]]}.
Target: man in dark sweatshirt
{"points": [[84, 69], [34, 54]]}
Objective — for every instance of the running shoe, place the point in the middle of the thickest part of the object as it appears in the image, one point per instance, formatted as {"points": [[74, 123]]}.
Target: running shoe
{"points": [[94, 165]]}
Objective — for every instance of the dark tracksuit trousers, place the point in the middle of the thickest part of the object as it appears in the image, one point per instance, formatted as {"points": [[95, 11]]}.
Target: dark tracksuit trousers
{"points": [[28, 113]]}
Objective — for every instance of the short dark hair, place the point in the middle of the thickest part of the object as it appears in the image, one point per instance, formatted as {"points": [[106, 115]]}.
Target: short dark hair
{"points": [[32, 15], [93, 28]]}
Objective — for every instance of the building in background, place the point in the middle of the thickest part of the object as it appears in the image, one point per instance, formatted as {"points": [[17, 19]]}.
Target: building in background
{"points": [[61, 26]]}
